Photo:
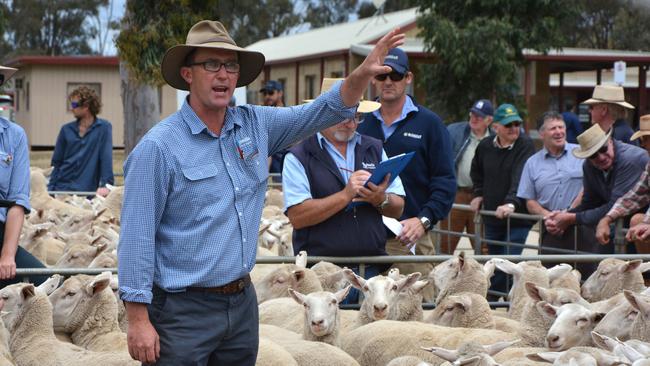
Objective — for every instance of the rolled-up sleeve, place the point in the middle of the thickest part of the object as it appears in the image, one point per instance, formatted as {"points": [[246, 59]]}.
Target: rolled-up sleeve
{"points": [[146, 187], [106, 157], [295, 184], [19, 183]]}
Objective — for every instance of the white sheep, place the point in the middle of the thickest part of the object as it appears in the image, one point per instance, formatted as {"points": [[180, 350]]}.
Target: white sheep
{"points": [[307, 353], [634, 350], [579, 356], [471, 353], [79, 256], [463, 310], [612, 277], [270, 353], [407, 361], [86, 308], [460, 274], [572, 325], [321, 314], [332, 278], [618, 321], [381, 295], [28, 318], [641, 326]]}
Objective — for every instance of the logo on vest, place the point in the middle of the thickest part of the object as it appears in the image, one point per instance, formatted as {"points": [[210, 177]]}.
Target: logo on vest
{"points": [[368, 165], [412, 135]]}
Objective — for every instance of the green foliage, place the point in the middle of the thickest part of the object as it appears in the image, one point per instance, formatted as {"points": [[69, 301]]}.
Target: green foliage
{"points": [[367, 9], [630, 26], [478, 45], [327, 12], [47, 27]]}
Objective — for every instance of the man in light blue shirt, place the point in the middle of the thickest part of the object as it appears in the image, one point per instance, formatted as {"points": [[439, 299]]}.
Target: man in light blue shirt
{"points": [[194, 191], [552, 180]]}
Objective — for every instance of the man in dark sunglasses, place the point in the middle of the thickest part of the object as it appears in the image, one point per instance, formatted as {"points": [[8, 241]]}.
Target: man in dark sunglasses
{"points": [[429, 179], [611, 168]]}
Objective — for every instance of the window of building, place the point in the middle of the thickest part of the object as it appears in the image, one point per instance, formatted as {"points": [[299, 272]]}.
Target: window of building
{"points": [[310, 81], [97, 87], [336, 74]]}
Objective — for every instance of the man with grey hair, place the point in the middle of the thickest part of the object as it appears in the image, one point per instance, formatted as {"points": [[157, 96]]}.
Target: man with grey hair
{"points": [[552, 180], [607, 109]]}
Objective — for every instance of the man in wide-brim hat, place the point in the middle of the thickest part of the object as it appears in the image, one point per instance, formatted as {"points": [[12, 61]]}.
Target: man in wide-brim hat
{"points": [[611, 168], [607, 108], [643, 132], [194, 191]]}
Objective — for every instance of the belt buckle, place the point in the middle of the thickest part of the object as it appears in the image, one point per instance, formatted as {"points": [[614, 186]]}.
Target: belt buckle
{"points": [[240, 285]]}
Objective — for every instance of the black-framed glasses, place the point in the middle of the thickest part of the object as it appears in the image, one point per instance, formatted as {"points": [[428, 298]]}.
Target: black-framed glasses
{"points": [[603, 149], [394, 76], [358, 118], [214, 66]]}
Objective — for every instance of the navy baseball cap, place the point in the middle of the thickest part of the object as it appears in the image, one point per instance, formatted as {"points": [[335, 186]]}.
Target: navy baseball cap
{"points": [[397, 60], [271, 85], [482, 108]]}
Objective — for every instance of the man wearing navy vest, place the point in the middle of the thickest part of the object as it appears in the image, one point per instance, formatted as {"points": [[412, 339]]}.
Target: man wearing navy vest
{"points": [[322, 175], [429, 179]]}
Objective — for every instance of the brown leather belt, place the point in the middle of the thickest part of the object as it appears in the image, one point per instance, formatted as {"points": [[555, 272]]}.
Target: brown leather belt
{"points": [[466, 189], [233, 287]]}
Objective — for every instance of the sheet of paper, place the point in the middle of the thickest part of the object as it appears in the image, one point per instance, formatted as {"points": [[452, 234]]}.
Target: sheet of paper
{"points": [[395, 226]]}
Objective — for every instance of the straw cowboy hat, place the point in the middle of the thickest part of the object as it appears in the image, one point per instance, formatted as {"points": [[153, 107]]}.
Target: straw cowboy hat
{"points": [[7, 73], [365, 106], [610, 94], [211, 35], [590, 141], [644, 127]]}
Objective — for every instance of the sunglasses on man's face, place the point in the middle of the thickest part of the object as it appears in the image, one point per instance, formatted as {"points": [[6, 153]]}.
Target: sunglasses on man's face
{"points": [[74, 105], [602, 150], [268, 92], [513, 124], [394, 76]]}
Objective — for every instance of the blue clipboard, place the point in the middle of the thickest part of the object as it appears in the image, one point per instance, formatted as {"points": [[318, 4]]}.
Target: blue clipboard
{"points": [[394, 166]]}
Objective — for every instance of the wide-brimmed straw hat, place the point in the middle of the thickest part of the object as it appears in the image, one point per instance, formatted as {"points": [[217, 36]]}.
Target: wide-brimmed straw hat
{"points": [[365, 106], [591, 141], [7, 73], [610, 94], [644, 127], [211, 35]]}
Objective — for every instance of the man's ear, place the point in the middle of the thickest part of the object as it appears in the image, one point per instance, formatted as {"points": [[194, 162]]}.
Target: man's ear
{"points": [[409, 77], [186, 74]]}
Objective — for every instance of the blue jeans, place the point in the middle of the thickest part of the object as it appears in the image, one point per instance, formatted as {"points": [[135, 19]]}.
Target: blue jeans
{"points": [[205, 328], [371, 270], [23, 259], [518, 234]]}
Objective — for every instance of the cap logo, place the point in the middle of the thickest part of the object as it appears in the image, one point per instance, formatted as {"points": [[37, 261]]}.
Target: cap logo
{"points": [[479, 105], [391, 57]]}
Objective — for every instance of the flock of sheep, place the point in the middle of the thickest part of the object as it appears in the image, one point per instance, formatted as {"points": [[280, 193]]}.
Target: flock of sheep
{"points": [[552, 318]]}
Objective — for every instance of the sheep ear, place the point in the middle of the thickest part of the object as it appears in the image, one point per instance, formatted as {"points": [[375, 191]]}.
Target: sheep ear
{"points": [[549, 357], [101, 248], [644, 267], [468, 361], [342, 293], [461, 260], [488, 269], [547, 309], [394, 273], [445, 354], [356, 281], [558, 271], [419, 285], [463, 302], [301, 259], [263, 228], [536, 293], [408, 281], [629, 352], [495, 348], [603, 341], [639, 302], [297, 296], [576, 274], [630, 265], [98, 284], [101, 212], [298, 274], [508, 267], [28, 291]]}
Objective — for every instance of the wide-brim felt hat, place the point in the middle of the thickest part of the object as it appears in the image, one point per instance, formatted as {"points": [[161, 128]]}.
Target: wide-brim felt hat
{"points": [[7, 73], [365, 106], [211, 35], [591, 141], [609, 94], [644, 127]]}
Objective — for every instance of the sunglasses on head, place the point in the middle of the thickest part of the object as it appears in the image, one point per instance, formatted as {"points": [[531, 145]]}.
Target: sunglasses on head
{"points": [[394, 76], [602, 150]]}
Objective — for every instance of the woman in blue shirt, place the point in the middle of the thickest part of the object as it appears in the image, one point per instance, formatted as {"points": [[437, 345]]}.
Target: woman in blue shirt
{"points": [[14, 190]]}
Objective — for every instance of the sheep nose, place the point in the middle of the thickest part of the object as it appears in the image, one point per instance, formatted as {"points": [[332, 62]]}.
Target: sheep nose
{"points": [[317, 322], [552, 339], [380, 307]]}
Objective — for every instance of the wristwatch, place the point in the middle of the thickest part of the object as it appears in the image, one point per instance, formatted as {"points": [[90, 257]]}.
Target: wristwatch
{"points": [[512, 206], [384, 204], [425, 222]]}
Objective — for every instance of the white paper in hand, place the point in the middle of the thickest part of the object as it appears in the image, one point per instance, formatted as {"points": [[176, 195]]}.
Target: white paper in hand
{"points": [[396, 227]]}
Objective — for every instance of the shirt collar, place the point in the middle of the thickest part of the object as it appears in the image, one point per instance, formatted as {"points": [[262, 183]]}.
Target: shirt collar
{"points": [[355, 140], [547, 154], [496, 144], [197, 126], [4, 124], [408, 107]]}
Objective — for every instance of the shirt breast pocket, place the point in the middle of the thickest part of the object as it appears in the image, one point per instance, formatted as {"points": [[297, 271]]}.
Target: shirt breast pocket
{"points": [[256, 170], [201, 181]]}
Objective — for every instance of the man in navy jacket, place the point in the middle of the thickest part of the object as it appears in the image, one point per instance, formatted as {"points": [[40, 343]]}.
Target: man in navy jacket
{"points": [[405, 126]]}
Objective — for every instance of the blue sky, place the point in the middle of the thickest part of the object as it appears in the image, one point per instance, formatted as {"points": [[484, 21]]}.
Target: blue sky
{"points": [[118, 11]]}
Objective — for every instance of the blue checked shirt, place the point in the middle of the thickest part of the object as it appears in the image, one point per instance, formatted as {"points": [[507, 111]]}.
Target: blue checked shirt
{"points": [[193, 200], [14, 166]]}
